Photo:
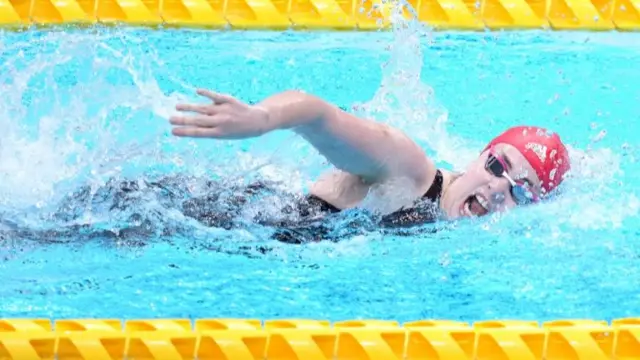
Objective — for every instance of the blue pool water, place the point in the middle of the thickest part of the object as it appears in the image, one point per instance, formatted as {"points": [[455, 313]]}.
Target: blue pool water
{"points": [[82, 106]]}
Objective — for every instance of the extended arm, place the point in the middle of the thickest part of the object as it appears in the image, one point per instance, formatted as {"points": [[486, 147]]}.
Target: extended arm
{"points": [[372, 151], [358, 146]]}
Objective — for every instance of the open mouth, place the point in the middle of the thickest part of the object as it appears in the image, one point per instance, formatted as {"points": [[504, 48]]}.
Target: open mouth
{"points": [[475, 205]]}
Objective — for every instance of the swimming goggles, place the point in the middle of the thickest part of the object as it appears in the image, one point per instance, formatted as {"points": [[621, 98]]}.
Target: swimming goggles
{"points": [[520, 190]]}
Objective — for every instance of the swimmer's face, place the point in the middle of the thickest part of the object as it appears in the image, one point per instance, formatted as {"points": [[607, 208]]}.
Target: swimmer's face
{"points": [[479, 191]]}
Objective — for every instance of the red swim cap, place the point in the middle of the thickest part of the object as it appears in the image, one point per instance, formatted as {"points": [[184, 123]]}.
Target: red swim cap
{"points": [[544, 151]]}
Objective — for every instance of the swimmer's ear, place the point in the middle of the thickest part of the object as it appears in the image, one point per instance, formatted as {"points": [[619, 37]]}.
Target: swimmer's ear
{"points": [[215, 97]]}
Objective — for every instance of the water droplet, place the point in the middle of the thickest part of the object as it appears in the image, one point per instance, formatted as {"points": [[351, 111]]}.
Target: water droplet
{"points": [[497, 198]]}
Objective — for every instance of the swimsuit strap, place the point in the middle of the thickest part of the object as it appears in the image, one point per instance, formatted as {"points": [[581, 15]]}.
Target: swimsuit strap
{"points": [[433, 194], [435, 190], [324, 206]]}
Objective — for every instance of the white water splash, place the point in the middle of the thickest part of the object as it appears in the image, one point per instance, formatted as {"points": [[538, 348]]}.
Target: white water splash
{"points": [[405, 101], [66, 143]]}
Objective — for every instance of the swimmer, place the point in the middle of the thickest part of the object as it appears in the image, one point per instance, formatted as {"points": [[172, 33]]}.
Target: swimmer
{"points": [[520, 167]]}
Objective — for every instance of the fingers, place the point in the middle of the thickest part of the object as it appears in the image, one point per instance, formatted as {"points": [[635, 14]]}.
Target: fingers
{"points": [[203, 123], [215, 97], [201, 109], [207, 109], [196, 120], [195, 132]]}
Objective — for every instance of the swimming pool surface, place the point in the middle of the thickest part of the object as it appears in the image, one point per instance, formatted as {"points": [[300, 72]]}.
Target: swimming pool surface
{"points": [[82, 106]]}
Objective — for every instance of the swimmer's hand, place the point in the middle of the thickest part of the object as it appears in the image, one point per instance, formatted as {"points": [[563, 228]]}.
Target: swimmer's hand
{"points": [[224, 118]]}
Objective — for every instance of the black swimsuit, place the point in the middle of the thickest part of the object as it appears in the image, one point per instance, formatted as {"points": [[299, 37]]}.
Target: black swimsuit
{"points": [[424, 211], [140, 210], [401, 216]]}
